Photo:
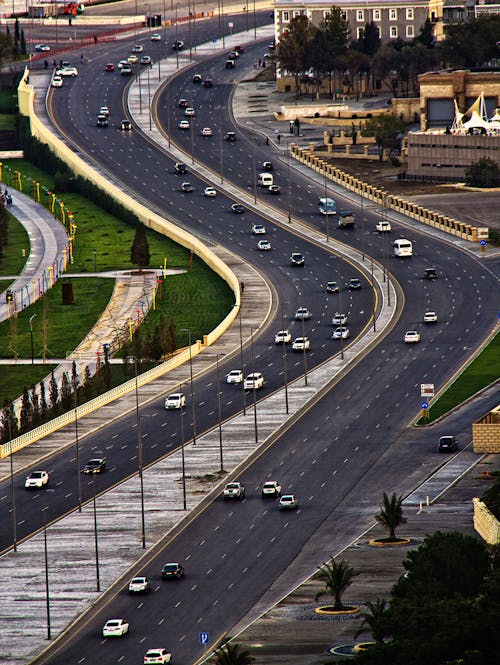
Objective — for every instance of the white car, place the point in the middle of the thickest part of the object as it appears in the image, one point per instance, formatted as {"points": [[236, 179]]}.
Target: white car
{"points": [[175, 401], [138, 48], [258, 229], [184, 124], [412, 337], [288, 502], [302, 313], [264, 245], [255, 380], [157, 657], [115, 628], [339, 319], [123, 63], [189, 112], [104, 110], [383, 227], [430, 317], [206, 131], [282, 337], [210, 191], [271, 488], [234, 376], [300, 344], [67, 71], [155, 37], [56, 81], [42, 47], [139, 585], [342, 332], [36, 479]]}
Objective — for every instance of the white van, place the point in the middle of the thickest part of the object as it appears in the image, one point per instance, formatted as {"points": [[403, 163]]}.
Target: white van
{"points": [[402, 247], [265, 180]]}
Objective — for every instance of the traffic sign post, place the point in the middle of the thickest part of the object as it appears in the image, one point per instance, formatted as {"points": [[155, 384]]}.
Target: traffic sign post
{"points": [[425, 409], [426, 390], [483, 245], [204, 641]]}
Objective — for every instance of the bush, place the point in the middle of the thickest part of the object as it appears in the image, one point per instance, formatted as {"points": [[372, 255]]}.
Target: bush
{"points": [[483, 173]]}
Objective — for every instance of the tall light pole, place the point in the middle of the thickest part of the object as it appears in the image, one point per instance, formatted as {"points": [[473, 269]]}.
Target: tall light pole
{"points": [[149, 103], [284, 358], [46, 557], [220, 411], [340, 312], [221, 148], [188, 330], [254, 391], [176, 37], [77, 446], [139, 452], [12, 491], [241, 361], [254, 22], [96, 541], [374, 310], [184, 500], [327, 223], [305, 353], [289, 184], [31, 336]]}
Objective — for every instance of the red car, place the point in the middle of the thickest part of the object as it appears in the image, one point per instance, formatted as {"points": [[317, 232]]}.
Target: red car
{"points": [[109, 67]]}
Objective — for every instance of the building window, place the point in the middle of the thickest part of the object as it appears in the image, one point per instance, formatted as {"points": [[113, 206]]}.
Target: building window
{"points": [[409, 14], [393, 32], [377, 15], [285, 17], [295, 14], [360, 15], [409, 31], [360, 32], [393, 14]]}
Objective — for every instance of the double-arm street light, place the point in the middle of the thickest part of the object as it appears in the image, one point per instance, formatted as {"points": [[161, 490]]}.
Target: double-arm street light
{"points": [[252, 330], [285, 373], [133, 359], [219, 406], [188, 330], [183, 459]]}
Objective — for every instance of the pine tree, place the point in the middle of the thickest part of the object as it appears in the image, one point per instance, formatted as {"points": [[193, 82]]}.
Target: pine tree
{"points": [[23, 43], [139, 254], [8, 422], [53, 393], [88, 386], [26, 411], [35, 406], [43, 402], [65, 392]]}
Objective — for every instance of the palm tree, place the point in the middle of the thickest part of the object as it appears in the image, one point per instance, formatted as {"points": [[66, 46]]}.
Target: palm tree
{"points": [[375, 620], [391, 514], [232, 654], [337, 578]]}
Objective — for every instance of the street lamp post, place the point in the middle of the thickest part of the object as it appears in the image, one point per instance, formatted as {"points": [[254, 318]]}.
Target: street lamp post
{"points": [[220, 411], [139, 453], [374, 310], [254, 391], [242, 364], [176, 37], [289, 184], [31, 336], [46, 557], [340, 312], [327, 222], [188, 330], [184, 500], [149, 103], [12, 490], [285, 373], [77, 446], [96, 542], [305, 354]]}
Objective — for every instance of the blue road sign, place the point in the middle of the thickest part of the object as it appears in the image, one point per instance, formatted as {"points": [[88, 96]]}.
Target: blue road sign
{"points": [[214, 40], [424, 405], [203, 638], [482, 243]]}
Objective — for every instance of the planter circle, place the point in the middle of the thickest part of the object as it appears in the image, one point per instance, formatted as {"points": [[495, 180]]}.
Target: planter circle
{"points": [[330, 611], [363, 646], [385, 542]]}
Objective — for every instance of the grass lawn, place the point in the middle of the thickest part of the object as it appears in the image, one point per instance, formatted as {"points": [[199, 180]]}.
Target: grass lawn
{"points": [[13, 261], [15, 377], [483, 371], [7, 121]]}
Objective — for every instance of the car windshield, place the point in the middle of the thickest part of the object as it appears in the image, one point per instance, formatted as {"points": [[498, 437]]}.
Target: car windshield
{"points": [[232, 486], [36, 474], [171, 567], [113, 624]]}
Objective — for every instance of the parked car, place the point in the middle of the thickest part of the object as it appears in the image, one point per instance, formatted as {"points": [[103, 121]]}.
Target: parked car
{"points": [[297, 259], [282, 337], [332, 287], [36, 479], [271, 488], [139, 585], [172, 571], [175, 401], [115, 628], [157, 657], [341, 332], [302, 313], [255, 380], [233, 491], [95, 465], [448, 444], [412, 337], [288, 502], [430, 317], [300, 344], [234, 376]]}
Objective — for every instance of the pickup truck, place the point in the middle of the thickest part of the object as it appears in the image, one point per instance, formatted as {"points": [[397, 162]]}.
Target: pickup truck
{"points": [[346, 219], [234, 491]]}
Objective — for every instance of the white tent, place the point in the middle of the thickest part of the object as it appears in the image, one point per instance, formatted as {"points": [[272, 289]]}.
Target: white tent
{"points": [[476, 122]]}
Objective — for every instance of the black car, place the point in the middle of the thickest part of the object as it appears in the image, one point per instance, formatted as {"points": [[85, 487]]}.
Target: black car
{"points": [[430, 273], [96, 465], [237, 208], [208, 83], [230, 64], [448, 444], [172, 570], [180, 167], [297, 259], [126, 125], [230, 136], [267, 166], [354, 284], [197, 78], [102, 121], [178, 45], [332, 287], [187, 187]]}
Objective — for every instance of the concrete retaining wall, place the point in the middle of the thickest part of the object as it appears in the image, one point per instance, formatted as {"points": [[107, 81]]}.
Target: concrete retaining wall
{"points": [[486, 433], [485, 523]]}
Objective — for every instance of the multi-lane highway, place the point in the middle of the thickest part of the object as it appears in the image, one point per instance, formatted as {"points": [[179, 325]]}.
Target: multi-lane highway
{"points": [[346, 449]]}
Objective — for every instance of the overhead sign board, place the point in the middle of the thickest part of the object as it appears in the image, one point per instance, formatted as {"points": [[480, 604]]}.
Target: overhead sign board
{"points": [[483, 233], [426, 390]]}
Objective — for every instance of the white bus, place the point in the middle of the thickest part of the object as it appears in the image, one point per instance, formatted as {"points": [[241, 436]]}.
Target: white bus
{"points": [[402, 247], [327, 207]]}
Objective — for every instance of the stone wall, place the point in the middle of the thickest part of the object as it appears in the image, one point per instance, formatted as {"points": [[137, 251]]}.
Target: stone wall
{"points": [[486, 433], [485, 523]]}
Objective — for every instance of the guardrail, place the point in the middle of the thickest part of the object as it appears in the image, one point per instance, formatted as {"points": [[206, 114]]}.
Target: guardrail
{"points": [[383, 199]]}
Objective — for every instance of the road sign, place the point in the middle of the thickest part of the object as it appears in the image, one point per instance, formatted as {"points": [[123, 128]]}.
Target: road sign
{"points": [[203, 638], [424, 405], [426, 390], [482, 243], [483, 233]]}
